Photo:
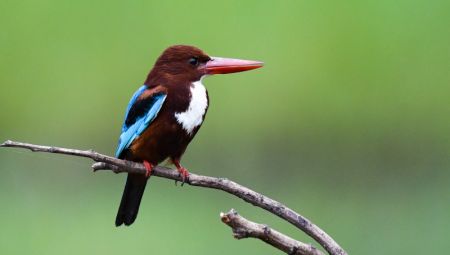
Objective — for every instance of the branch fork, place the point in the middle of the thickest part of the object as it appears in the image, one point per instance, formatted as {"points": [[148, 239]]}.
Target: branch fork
{"points": [[243, 228]]}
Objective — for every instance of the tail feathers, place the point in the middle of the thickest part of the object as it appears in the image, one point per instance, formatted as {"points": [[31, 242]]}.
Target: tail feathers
{"points": [[131, 199]]}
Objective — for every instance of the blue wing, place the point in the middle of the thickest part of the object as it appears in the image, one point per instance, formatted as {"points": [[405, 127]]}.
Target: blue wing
{"points": [[131, 131]]}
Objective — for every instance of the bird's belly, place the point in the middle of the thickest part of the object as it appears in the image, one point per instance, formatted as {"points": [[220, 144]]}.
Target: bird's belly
{"points": [[163, 139]]}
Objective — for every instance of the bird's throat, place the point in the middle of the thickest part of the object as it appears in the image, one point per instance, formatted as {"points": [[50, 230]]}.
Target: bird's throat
{"points": [[194, 114]]}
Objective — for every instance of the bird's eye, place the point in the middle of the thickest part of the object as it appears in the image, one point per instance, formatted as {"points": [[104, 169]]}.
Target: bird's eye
{"points": [[193, 61]]}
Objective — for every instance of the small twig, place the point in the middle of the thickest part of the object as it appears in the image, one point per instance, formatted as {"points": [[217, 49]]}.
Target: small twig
{"points": [[117, 165], [243, 228]]}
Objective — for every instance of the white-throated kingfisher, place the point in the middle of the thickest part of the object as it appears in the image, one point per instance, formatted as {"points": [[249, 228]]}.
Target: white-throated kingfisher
{"points": [[164, 115]]}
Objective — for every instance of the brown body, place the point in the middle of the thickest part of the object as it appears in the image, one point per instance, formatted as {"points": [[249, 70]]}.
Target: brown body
{"points": [[165, 137]]}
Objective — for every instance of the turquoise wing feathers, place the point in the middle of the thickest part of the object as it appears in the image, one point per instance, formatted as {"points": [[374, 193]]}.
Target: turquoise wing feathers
{"points": [[138, 117]]}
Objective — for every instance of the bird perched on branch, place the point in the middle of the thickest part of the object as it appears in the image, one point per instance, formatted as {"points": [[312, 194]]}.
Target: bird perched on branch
{"points": [[164, 115]]}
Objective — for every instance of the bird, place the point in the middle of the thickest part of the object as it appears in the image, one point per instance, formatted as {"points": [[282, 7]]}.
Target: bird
{"points": [[164, 115]]}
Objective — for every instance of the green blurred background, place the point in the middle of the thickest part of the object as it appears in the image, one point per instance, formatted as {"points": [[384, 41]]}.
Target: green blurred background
{"points": [[348, 123]]}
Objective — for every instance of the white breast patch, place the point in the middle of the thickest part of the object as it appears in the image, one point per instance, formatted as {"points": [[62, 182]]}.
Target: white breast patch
{"points": [[193, 116]]}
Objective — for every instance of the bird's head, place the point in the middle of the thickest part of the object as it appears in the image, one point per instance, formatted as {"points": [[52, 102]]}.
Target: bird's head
{"points": [[191, 64]]}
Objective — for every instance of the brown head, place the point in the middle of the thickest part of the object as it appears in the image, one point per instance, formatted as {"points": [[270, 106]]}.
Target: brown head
{"points": [[188, 63]]}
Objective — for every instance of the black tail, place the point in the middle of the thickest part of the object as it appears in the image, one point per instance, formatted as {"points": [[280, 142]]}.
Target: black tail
{"points": [[131, 199]]}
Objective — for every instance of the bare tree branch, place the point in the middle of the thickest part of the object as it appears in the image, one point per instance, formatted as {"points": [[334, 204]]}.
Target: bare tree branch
{"points": [[117, 165], [243, 228]]}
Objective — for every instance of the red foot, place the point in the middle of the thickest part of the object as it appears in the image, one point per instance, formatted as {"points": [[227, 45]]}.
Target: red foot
{"points": [[148, 168], [183, 172]]}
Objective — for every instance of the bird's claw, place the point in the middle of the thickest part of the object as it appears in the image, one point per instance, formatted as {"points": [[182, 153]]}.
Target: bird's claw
{"points": [[184, 174], [148, 168]]}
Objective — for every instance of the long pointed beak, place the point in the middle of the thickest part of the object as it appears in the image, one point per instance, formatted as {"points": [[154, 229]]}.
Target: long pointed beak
{"points": [[229, 65]]}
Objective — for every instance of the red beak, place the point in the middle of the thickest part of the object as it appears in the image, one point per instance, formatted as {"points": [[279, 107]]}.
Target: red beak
{"points": [[229, 65]]}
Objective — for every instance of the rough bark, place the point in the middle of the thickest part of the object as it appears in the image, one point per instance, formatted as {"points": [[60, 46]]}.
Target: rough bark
{"points": [[104, 162]]}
